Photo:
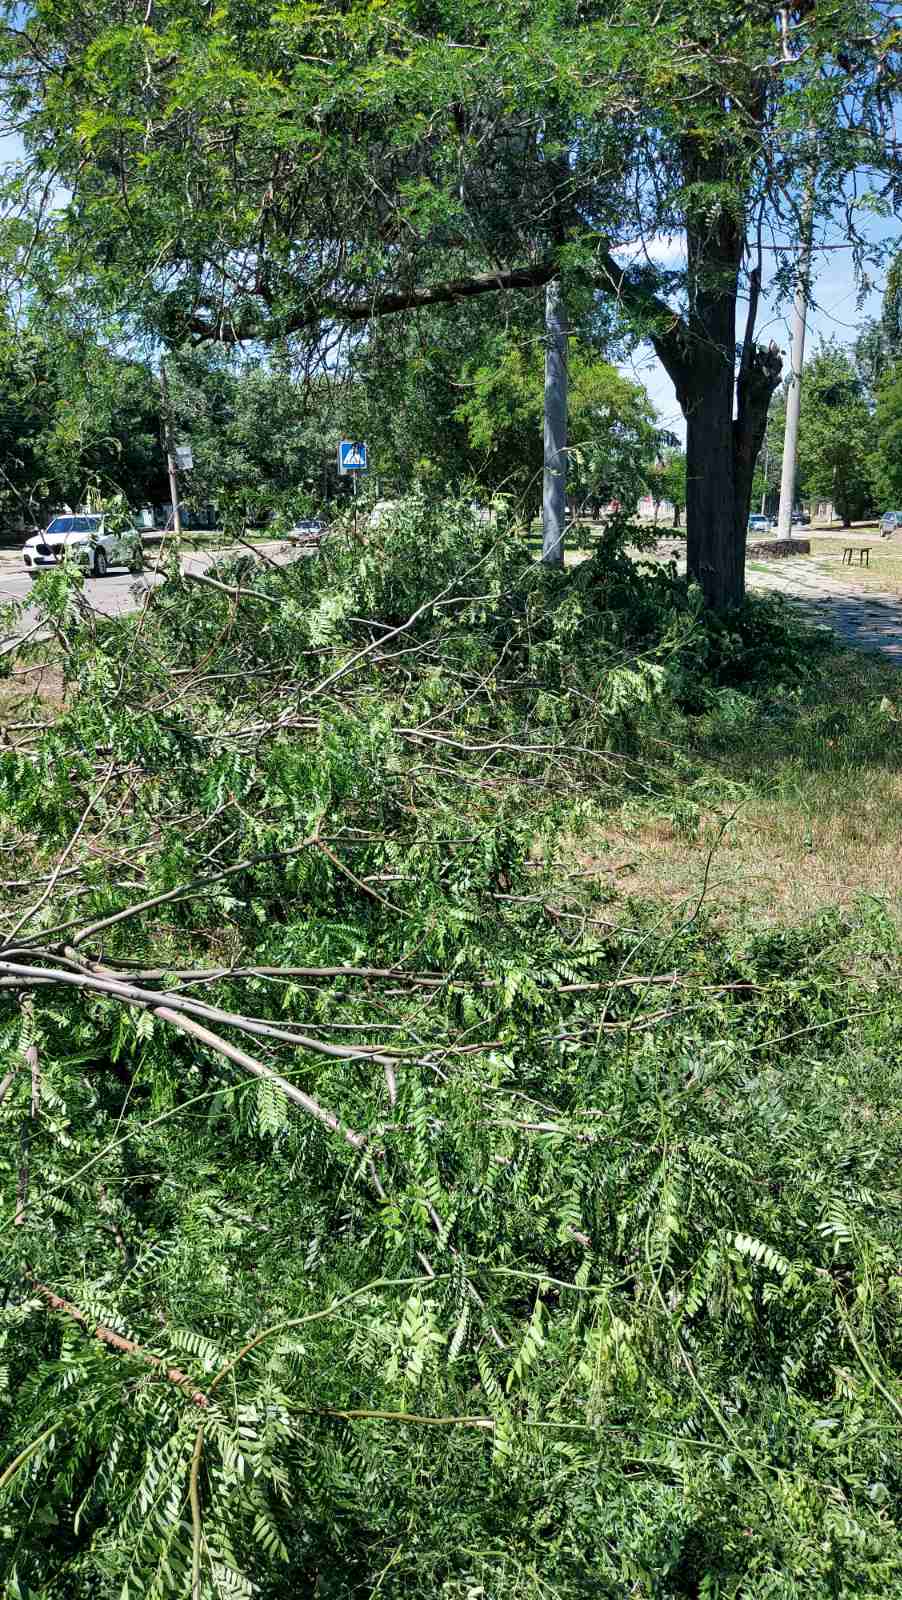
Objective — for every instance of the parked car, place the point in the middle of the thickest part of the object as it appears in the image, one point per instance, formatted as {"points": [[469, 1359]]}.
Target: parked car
{"points": [[759, 524], [890, 522], [84, 538], [800, 519], [308, 530]]}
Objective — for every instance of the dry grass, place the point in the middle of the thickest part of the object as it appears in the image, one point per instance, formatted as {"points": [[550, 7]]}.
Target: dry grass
{"points": [[884, 571], [808, 814], [32, 693], [767, 864]]}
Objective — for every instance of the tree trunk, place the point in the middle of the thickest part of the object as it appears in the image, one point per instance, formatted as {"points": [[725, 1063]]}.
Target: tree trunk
{"points": [[700, 356], [759, 375], [720, 451], [715, 558]]}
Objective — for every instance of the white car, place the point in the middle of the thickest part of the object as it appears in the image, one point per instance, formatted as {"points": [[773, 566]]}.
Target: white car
{"points": [[83, 538], [309, 530]]}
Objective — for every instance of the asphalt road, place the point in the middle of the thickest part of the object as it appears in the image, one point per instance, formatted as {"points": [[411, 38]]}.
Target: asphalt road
{"points": [[121, 591]]}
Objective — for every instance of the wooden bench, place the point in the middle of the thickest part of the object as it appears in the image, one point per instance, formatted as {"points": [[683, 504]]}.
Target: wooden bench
{"points": [[864, 555]]}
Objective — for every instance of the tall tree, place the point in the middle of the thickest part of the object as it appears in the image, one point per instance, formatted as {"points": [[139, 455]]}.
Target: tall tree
{"points": [[837, 434], [75, 415], [878, 345], [887, 457], [267, 171]]}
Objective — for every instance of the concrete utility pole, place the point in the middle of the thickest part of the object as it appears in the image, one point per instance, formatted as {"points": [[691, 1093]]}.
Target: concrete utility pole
{"points": [[796, 358], [554, 481], [170, 453]]}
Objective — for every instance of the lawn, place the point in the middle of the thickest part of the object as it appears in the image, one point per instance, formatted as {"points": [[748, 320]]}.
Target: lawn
{"points": [[790, 805], [884, 569]]}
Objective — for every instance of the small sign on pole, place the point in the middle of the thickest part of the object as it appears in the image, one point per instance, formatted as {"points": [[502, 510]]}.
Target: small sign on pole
{"points": [[184, 457], [351, 456]]}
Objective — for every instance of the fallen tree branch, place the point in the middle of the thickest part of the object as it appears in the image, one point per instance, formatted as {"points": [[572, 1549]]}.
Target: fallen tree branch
{"points": [[32, 1061], [235, 590], [170, 1009], [183, 891]]}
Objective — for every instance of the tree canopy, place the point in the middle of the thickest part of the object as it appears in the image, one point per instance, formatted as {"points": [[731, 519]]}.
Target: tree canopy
{"points": [[76, 416], [268, 171]]}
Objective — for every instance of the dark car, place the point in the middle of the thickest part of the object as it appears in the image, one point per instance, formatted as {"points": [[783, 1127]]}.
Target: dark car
{"points": [[800, 519]]}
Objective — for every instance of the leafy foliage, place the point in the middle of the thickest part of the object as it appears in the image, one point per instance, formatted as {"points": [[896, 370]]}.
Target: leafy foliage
{"points": [[836, 434], [379, 1213], [268, 171]]}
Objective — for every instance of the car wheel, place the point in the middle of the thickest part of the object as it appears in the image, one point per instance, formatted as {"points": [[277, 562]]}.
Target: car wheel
{"points": [[100, 563]]}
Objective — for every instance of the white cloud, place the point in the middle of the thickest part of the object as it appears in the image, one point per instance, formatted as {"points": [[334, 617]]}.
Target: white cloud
{"points": [[661, 249]]}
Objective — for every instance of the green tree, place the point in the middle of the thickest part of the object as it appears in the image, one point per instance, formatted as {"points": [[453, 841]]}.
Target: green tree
{"points": [[261, 437], [75, 415], [887, 456], [260, 172], [891, 314], [610, 428], [879, 342], [666, 479], [836, 434]]}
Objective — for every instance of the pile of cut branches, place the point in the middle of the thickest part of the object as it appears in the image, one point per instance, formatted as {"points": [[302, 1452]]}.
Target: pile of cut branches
{"points": [[382, 1207]]}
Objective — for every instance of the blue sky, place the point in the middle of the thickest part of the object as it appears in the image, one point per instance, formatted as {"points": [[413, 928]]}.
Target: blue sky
{"points": [[837, 310]]}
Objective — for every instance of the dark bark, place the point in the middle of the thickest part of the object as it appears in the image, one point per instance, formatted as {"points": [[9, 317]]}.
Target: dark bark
{"points": [[325, 309], [700, 356], [715, 557], [699, 352], [759, 376]]}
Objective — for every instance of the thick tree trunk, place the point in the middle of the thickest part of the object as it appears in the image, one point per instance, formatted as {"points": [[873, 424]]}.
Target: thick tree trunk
{"points": [[720, 451], [700, 356], [715, 557], [759, 375]]}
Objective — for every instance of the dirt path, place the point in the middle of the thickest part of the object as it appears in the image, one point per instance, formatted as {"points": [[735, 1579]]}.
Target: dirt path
{"points": [[853, 605]]}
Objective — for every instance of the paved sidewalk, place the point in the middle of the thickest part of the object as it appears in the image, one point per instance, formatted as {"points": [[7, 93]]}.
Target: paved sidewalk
{"points": [[864, 619]]}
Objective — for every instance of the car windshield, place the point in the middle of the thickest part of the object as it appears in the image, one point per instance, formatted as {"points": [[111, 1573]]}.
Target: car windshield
{"points": [[74, 525]]}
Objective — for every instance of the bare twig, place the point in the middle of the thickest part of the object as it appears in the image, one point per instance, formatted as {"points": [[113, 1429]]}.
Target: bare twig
{"points": [[117, 1341], [32, 1061]]}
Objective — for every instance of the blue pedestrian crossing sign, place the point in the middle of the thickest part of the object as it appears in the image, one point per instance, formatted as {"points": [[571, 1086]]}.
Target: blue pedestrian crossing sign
{"points": [[351, 456]]}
